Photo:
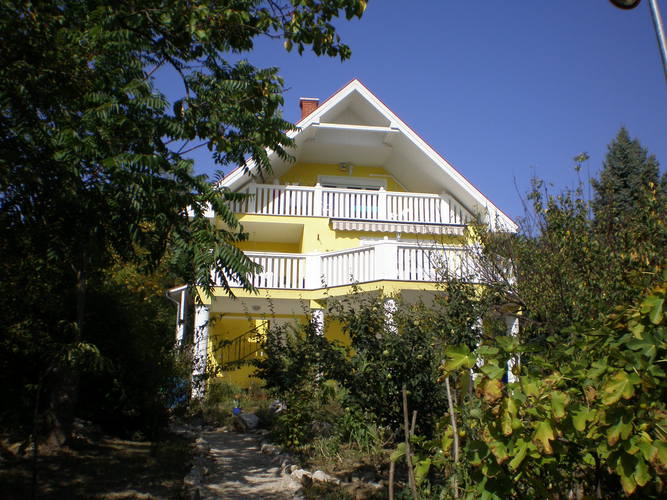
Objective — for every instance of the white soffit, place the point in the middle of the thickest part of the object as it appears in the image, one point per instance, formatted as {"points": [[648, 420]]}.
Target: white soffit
{"points": [[412, 161]]}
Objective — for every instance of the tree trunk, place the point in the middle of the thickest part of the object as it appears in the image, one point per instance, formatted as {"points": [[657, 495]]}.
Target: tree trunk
{"points": [[64, 383]]}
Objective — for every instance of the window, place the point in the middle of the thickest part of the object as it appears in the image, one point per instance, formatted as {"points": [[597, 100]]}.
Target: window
{"points": [[346, 182]]}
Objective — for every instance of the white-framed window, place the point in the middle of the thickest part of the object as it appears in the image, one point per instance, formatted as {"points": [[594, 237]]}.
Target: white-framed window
{"points": [[347, 182]]}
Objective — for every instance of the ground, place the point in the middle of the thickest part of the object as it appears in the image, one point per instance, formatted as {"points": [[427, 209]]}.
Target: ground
{"points": [[241, 471], [107, 469]]}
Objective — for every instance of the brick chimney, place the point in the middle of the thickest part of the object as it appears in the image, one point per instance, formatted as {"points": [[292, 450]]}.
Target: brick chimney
{"points": [[308, 105]]}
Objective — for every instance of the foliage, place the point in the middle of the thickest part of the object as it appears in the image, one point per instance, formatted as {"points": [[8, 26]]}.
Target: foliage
{"points": [[592, 419], [133, 327], [94, 158], [587, 415], [384, 357], [297, 369], [626, 182], [565, 268]]}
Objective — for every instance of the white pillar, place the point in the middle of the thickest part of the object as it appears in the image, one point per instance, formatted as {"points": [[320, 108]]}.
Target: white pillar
{"points": [[318, 193], [200, 351], [386, 260], [382, 204], [389, 311], [181, 315], [317, 316], [313, 272], [512, 323]]}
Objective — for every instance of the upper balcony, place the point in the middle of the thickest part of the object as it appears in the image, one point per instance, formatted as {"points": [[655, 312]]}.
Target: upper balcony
{"points": [[354, 209], [384, 261]]}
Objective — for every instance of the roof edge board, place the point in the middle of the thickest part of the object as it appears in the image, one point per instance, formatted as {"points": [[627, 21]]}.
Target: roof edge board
{"points": [[395, 124], [395, 121]]}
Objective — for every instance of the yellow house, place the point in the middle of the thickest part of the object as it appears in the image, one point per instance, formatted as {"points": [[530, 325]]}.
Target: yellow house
{"points": [[366, 203]]}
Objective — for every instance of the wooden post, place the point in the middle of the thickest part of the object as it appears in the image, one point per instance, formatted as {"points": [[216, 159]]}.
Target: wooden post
{"points": [[408, 458]]}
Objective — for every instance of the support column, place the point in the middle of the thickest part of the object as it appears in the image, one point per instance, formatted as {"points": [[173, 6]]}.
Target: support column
{"points": [[512, 323], [181, 316], [200, 351], [389, 311], [317, 316]]}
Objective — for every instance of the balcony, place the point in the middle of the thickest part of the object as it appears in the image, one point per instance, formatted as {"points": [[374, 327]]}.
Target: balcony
{"points": [[397, 208], [388, 260]]}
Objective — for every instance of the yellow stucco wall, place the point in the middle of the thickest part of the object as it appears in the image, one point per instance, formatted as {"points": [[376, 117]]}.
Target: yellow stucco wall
{"points": [[222, 328], [309, 235], [306, 174]]}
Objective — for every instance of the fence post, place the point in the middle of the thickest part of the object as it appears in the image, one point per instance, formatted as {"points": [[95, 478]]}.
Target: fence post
{"points": [[317, 200], [252, 201], [382, 204], [386, 260], [313, 274]]}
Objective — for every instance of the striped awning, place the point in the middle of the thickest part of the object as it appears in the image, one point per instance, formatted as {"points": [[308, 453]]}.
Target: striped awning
{"points": [[396, 227]]}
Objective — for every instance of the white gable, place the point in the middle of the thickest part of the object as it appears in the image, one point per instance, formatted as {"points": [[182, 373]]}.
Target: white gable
{"points": [[354, 126]]}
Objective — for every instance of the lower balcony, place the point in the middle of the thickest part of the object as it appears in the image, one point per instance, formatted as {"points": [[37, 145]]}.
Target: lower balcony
{"points": [[389, 260]]}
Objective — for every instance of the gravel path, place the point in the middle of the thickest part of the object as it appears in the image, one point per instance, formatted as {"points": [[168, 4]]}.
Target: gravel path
{"points": [[241, 471]]}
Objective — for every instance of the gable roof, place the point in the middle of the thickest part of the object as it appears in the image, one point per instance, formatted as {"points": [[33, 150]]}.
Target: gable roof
{"points": [[353, 125]]}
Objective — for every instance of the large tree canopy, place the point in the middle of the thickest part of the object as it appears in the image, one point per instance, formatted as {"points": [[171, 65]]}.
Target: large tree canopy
{"points": [[91, 152], [93, 156]]}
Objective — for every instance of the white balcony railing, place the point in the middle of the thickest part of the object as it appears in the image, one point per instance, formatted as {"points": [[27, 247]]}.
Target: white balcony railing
{"points": [[318, 201], [388, 260]]}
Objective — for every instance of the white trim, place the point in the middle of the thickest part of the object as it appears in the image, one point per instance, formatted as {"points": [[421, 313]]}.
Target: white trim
{"points": [[344, 181], [492, 211]]}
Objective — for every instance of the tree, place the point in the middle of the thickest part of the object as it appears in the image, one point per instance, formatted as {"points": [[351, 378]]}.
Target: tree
{"points": [[93, 158], [587, 414], [628, 179]]}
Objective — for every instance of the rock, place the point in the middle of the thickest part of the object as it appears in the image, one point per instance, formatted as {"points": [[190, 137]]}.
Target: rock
{"points": [[244, 422], [276, 407], [270, 449], [299, 474], [323, 477]]}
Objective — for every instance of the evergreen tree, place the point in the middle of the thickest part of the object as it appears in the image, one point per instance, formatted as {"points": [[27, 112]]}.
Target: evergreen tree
{"points": [[628, 180]]}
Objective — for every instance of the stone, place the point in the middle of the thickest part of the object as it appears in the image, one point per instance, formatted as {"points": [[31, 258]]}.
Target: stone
{"points": [[250, 419], [299, 474], [276, 407], [323, 477], [270, 449]]}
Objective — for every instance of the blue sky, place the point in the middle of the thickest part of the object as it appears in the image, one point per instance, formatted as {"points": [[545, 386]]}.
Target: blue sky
{"points": [[503, 90]]}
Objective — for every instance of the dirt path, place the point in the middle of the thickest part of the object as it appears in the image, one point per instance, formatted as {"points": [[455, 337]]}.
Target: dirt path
{"points": [[241, 471]]}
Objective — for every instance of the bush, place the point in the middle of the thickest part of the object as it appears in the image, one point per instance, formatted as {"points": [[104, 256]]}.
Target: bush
{"points": [[387, 357]]}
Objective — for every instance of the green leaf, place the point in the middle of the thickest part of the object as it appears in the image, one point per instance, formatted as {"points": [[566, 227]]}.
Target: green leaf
{"points": [[421, 470], [580, 416], [661, 452], [519, 453], [509, 423], [626, 467], [458, 357], [559, 401], [628, 483], [493, 371], [447, 440], [620, 430], [641, 474], [487, 351], [543, 436], [507, 344], [499, 450], [492, 390], [398, 453], [656, 314], [648, 450], [620, 385]]}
